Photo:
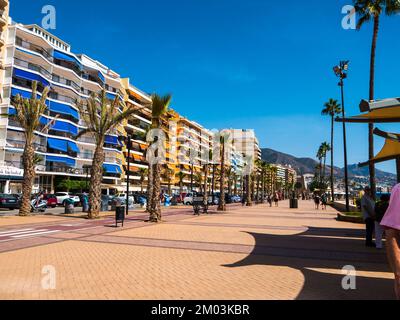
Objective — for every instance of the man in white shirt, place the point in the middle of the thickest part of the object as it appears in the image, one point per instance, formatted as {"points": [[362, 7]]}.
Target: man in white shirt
{"points": [[368, 212]]}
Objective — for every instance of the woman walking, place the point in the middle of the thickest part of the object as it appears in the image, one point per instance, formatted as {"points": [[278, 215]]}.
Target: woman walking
{"points": [[391, 223]]}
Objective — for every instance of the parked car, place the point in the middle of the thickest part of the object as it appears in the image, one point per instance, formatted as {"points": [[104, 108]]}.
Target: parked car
{"points": [[62, 196], [51, 200], [9, 201], [122, 197], [188, 199], [140, 199], [236, 198]]}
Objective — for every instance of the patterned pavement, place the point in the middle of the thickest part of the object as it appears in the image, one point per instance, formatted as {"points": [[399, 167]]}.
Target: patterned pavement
{"points": [[245, 253]]}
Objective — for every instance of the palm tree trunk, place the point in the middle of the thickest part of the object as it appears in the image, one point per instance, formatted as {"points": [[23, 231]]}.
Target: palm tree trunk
{"points": [[96, 178], [205, 201], [332, 141], [371, 98], [155, 209], [249, 202], [149, 188], [29, 177], [222, 204]]}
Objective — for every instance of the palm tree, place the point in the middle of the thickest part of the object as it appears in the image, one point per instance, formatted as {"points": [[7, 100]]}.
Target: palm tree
{"points": [[320, 157], [367, 10], [169, 175], [28, 112], [101, 116], [205, 168], [325, 149], [160, 106], [223, 139], [332, 108], [265, 167], [181, 176], [143, 172], [198, 177]]}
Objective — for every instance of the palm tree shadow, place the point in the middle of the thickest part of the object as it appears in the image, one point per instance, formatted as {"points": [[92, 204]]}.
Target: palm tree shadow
{"points": [[323, 248]]}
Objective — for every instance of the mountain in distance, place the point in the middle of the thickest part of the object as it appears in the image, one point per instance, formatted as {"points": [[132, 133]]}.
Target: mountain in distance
{"points": [[307, 165]]}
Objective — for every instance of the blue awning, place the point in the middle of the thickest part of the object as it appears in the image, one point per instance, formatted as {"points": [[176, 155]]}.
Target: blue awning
{"points": [[44, 121], [62, 56], [110, 96], [30, 76], [12, 111], [68, 161], [112, 140], [62, 108], [112, 168], [57, 144], [64, 127], [73, 147], [22, 93], [101, 77]]}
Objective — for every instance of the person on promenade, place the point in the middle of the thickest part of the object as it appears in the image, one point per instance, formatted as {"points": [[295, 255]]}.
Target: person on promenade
{"points": [[324, 201], [380, 209], [316, 201], [269, 200], [391, 223], [276, 199], [368, 212]]}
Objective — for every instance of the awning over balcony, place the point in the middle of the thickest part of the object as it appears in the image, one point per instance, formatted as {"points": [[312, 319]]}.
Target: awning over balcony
{"points": [[30, 76], [62, 56], [56, 144], [112, 168], [112, 140], [62, 108], [22, 93], [68, 161], [60, 126], [73, 147]]}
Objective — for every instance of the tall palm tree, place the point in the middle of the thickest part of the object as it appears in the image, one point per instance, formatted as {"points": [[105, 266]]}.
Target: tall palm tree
{"points": [[325, 149], [160, 106], [223, 139], [28, 112], [101, 116], [143, 172], [367, 10], [320, 157], [169, 175], [181, 176], [332, 108], [265, 167], [205, 169]]}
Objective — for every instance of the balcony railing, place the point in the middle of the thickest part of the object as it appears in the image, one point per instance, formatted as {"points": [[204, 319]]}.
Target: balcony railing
{"points": [[18, 144], [33, 47]]}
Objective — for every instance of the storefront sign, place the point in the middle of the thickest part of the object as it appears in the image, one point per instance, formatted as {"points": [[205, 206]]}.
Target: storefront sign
{"points": [[11, 171]]}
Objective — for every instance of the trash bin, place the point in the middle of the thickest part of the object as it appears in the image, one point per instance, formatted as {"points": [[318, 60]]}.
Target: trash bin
{"points": [[294, 203], [69, 206], [120, 214], [85, 203], [104, 203]]}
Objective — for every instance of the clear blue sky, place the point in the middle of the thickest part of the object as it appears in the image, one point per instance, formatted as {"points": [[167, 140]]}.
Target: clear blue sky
{"points": [[233, 63]]}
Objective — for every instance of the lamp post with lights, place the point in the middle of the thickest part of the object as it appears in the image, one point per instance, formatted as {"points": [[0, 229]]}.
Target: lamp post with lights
{"points": [[341, 72]]}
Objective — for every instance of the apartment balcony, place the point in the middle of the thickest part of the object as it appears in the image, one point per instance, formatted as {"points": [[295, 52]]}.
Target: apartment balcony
{"points": [[33, 47], [3, 19]]}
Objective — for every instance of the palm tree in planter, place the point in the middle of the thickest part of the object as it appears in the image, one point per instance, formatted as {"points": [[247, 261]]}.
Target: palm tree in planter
{"points": [[223, 139], [143, 172], [28, 113], [332, 108], [160, 106], [101, 116], [181, 176], [198, 178], [372, 10], [169, 175]]}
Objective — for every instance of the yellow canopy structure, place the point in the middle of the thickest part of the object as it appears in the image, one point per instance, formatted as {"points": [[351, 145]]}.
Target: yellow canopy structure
{"points": [[390, 151], [381, 115]]}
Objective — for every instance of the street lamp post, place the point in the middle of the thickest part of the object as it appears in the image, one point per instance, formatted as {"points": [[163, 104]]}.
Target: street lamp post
{"points": [[128, 142], [341, 72]]}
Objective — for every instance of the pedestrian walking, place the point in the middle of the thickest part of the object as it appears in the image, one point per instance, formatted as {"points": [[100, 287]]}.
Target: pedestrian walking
{"points": [[368, 212], [276, 199], [269, 200], [317, 200], [391, 223], [324, 201], [380, 209]]}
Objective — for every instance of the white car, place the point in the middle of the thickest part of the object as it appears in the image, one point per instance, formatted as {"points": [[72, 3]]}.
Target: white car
{"points": [[188, 200], [122, 197], [62, 196]]}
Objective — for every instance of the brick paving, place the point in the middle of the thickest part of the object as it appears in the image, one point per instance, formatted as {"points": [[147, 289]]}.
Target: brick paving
{"points": [[245, 253]]}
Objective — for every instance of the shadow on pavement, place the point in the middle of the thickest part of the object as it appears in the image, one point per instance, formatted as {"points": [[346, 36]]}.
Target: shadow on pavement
{"points": [[313, 250]]}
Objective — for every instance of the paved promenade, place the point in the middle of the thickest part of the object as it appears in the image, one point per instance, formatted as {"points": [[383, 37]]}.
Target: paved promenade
{"points": [[245, 253]]}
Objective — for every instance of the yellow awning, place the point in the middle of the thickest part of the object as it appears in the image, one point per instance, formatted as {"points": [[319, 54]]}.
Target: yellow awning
{"points": [[382, 115], [390, 151]]}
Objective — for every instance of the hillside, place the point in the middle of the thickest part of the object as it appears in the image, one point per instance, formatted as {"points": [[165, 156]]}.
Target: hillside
{"points": [[307, 165]]}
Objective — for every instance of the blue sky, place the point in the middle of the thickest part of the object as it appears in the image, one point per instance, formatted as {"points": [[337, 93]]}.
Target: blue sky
{"points": [[233, 63]]}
